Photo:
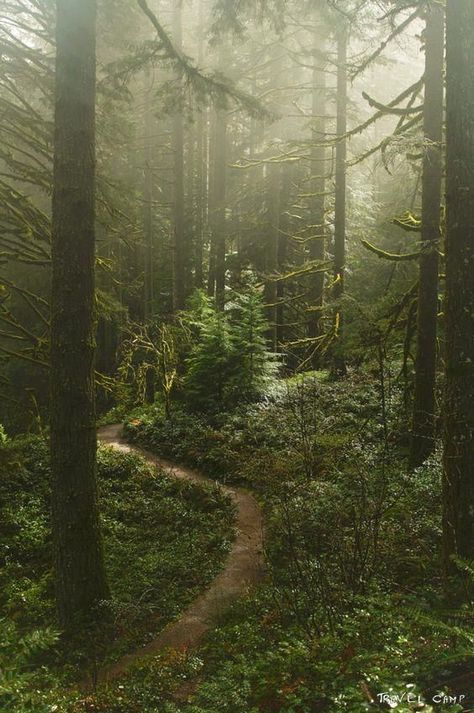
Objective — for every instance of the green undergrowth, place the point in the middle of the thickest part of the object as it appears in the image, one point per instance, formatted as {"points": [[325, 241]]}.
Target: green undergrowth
{"points": [[353, 607], [165, 540]]}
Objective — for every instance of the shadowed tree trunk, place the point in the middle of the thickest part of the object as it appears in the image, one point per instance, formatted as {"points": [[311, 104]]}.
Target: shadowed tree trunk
{"points": [[424, 411], [458, 500], [339, 365], [80, 574]]}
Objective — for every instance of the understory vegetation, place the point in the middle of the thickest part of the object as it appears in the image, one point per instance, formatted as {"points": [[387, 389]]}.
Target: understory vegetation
{"points": [[353, 605], [164, 539]]}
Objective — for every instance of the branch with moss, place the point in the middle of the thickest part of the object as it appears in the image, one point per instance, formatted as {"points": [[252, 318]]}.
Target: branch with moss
{"points": [[394, 257], [215, 85]]}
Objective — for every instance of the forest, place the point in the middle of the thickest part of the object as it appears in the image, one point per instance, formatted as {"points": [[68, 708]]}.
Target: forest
{"points": [[236, 356]]}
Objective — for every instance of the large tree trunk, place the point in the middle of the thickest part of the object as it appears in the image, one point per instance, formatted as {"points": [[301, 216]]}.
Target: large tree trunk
{"points": [[318, 204], [180, 257], [424, 418], [339, 365], [80, 574], [458, 500]]}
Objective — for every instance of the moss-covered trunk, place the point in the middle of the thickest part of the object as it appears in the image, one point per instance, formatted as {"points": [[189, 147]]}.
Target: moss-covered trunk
{"points": [[459, 309], [424, 410], [80, 575]]}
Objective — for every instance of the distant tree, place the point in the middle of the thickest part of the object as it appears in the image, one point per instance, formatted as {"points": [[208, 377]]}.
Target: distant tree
{"points": [[458, 495], [339, 364], [318, 187], [80, 573], [180, 246]]}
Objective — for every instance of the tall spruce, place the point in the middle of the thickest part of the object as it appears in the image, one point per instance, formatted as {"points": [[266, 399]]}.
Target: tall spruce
{"points": [[458, 491], [424, 411], [79, 566]]}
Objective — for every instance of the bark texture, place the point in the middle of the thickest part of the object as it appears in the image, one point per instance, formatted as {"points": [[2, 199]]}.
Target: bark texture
{"points": [[458, 500], [80, 574], [424, 409]]}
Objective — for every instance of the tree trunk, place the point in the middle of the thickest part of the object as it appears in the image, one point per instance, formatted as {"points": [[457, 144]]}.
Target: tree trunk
{"points": [[458, 500], [148, 195], [285, 225], [272, 252], [79, 566], [339, 365], [318, 185], [200, 196], [219, 207], [424, 417], [180, 261], [200, 189]]}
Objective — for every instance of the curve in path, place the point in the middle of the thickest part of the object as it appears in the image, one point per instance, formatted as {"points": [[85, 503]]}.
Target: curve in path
{"points": [[243, 566]]}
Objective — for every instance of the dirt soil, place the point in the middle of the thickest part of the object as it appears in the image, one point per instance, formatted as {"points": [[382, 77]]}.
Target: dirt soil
{"points": [[242, 569]]}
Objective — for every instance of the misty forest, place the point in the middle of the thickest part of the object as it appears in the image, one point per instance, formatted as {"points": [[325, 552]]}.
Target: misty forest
{"points": [[236, 356]]}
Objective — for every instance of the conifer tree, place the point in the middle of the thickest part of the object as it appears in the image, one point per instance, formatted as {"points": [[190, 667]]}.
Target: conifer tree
{"points": [[458, 494], [80, 573]]}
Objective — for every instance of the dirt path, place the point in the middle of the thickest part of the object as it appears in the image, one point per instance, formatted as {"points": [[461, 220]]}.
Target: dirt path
{"points": [[243, 567]]}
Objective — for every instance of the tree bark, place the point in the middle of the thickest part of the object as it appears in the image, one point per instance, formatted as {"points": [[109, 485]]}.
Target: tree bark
{"points": [[424, 410], [79, 566], [458, 495], [339, 365]]}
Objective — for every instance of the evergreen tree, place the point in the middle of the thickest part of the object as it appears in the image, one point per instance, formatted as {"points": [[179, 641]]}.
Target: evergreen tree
{"points": [[80, 573], [253, 365], [458, 500], [208, 365]]}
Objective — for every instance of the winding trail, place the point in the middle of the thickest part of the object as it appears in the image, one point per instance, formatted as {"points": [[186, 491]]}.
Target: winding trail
{"points": [[243, 566]]}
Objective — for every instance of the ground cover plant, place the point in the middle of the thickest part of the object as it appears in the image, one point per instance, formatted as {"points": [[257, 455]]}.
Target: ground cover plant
{"points": [[352, 539], [156, 567]]}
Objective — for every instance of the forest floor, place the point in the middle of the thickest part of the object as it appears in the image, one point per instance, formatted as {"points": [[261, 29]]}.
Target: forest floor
{"points": [[243, 567]]}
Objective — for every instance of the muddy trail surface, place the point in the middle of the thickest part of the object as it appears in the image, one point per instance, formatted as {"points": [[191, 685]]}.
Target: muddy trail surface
{"points": [[243, 566]]}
